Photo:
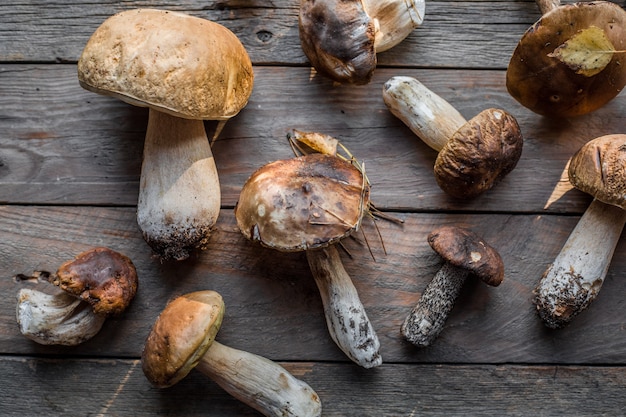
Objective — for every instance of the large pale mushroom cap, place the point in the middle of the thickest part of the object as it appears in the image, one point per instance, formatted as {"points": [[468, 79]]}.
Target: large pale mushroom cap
{"points": [[175, 63], [181, 335], [548, 86], [599, 169], [302, 203]]}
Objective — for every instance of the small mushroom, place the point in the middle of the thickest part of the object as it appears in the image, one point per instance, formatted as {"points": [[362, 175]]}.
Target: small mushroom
{"points": [[185, 70], [183, 338], [464, 254], [97, 284], [549, 86], [473, 155], [307, 204], [574, 279], [342, 37]]}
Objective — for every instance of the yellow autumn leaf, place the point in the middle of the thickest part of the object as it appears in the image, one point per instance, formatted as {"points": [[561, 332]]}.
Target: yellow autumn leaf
{"points": [[587, 52]]}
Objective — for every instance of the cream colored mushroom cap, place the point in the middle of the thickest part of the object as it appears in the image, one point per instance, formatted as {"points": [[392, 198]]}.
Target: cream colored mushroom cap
{"points": [[179, 64]]}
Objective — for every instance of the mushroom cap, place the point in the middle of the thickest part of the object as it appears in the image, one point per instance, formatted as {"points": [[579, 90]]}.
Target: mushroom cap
{"points": [[548, 86], [181, 335], [302, 203], [337, 36], [102, 277], [175, 63], [464, 249], [599, 168], [479, 154]]}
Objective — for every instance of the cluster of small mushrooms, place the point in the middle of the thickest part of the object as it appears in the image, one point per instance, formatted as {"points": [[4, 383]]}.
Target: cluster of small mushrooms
{"points": [[186, 70]]}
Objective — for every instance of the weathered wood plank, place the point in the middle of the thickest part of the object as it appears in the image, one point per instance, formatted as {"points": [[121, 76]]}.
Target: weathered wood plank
{"points": [[62, 387], [274, 309], [63, 145]]}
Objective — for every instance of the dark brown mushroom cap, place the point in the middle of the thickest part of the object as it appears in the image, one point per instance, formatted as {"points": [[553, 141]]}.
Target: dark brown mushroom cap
{"points": [[599, 168], [337, 36], [464, 249], [181, 335], [102, 277], [548, 86], [302, 203], [479, 154]]}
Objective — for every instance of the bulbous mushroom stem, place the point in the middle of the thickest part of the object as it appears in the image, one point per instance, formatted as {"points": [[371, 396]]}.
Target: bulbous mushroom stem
{"points": [[575, 277], [546, 6], [427, 319], [56, 319], [259, 382], [394, 20], [347, 321], [429, 116], [179, 195]]}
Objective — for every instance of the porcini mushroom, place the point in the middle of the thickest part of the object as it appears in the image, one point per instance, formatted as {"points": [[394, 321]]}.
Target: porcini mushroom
{"points": [[185, 70], [540, 79], [97, 284], [307, 204], [183, 338], [575, 277], [464, 254], [341, 38], [473, 155]]}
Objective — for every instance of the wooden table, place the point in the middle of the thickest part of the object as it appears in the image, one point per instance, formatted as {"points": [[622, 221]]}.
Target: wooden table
{"points": [[69, 178]]}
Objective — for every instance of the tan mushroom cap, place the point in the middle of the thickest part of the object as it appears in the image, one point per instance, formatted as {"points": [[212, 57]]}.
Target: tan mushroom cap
{"points": [[337, 36], [302, 203], [181, 335], [548, 86], [464, 249], [175, 63], [106, 279], [479, 154], [599, 169]]}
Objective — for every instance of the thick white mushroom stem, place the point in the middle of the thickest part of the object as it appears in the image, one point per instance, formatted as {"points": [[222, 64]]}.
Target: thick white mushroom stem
{"points": [[179, 195], [347, 321], [429, 116], [427, 319], [259, 382], [56, 319], [394, 20], [546, 6], [574, 279]]}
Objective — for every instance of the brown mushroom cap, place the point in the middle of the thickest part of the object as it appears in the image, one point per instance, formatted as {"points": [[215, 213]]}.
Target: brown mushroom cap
{"points": [[181, 335], [599, 168], [175, 63], [102, 277], [337, 36], [302, 203], [548, 86], [479, 154], [464, 249]]}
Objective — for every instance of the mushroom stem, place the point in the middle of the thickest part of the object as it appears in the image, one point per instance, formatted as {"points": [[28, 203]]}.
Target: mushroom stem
{"points": [[429, 116], [56, 319], [259, 382], [394, 20], [179, 196], [347, 321], [546, 6], [427, 319], [574, 279]]}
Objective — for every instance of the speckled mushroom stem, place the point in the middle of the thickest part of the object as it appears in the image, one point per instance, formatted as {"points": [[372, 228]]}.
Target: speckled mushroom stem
{"points": [[394, 20], [546, 6], [347, 321], [429, 116], [574, 279], [259, 382], [427, 319], [179, 195]]}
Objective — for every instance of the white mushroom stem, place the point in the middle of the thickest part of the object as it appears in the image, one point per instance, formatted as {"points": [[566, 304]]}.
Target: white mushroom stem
{"points": [[429, 116], [179, 195], [347, 321], [546, 6], [574, 279], [394, 20], [427, 319], [259, 382], [56, 319]]}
